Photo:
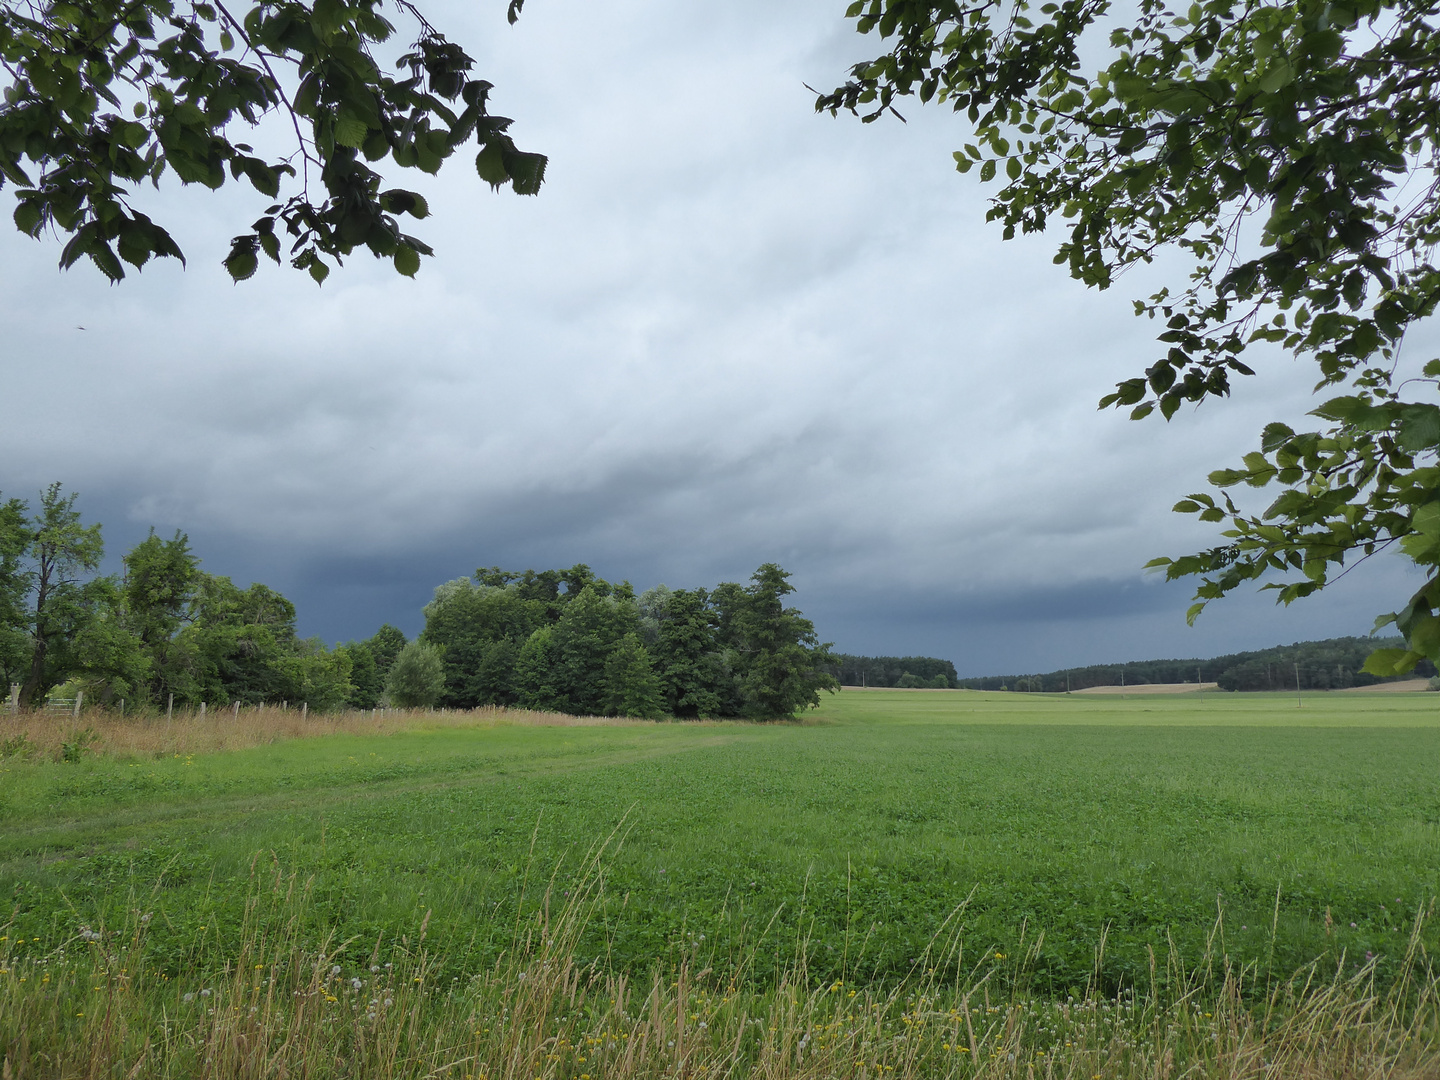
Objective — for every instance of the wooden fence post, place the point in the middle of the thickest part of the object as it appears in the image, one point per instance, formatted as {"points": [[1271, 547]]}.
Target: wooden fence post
{"points": [[79, 697], [304, 709], [170, 709], [202, 710], [14, 697], [237, 710]]}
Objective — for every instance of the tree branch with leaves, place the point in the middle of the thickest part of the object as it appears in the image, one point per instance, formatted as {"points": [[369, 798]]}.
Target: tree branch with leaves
{"points": [[1289, 152], [102, 96]]}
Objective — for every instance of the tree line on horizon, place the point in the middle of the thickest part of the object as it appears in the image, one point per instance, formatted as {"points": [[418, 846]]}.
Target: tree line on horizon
{"points": [[166, 632], [902, 672], [1331, 664]]}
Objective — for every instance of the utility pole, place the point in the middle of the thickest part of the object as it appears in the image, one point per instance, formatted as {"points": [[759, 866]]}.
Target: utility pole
{"points": [[1298, 702]]}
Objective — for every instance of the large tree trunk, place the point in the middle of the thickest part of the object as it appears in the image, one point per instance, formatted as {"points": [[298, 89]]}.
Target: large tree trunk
{"points": [[34, 685]]}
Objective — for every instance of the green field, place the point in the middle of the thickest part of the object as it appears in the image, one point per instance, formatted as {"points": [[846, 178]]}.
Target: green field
{"points": [[851, 836]]}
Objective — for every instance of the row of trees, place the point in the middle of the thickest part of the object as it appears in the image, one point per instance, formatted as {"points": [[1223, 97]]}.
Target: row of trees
{"points": [[569, 641], [562, 640], [163, 629], [906, 672], [1332, 664]]}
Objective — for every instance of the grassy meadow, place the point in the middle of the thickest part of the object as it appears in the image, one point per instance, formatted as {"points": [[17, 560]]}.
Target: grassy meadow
{"points": [[1040, 851]]}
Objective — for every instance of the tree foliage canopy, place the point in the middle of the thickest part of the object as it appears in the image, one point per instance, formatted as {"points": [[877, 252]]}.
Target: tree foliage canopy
{"points": [[593, 647], [165, 629], [101, 96], [1289, 152], [417, 678]]}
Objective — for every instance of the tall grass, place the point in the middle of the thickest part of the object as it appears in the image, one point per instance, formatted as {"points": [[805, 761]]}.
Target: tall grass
{"points": [[104, 731], [288, 1006]]}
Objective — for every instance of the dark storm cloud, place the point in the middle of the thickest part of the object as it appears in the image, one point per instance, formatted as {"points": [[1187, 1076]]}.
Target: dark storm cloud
{"points": [[728, 332]]}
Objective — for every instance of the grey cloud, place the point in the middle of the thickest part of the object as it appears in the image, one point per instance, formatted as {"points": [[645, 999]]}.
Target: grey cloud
{"points": [[728, 331]]}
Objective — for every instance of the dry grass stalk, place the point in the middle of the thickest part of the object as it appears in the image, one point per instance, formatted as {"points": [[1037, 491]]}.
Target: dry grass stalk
{"points": [[149, 735], [284, 1007]]}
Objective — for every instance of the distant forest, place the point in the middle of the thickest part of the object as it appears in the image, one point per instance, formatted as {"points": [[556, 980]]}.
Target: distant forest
{"points": [[906, 672], [1333, 664]]}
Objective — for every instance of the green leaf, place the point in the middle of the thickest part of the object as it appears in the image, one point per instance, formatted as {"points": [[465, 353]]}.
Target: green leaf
{"points": [[350, 132], [527, 172], [28, 217], [104, 258], [490, 164], [377, 145], [1343, 409], [1390, 662], [1275, 436], [407, 261], [1279, 76], [241, 264]]}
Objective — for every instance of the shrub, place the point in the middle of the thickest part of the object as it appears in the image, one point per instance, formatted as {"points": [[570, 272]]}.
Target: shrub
{"points": [[417, 678]]}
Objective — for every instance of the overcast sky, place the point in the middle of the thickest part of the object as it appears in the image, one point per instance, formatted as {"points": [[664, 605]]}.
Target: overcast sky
{"points": [[727, 332]]}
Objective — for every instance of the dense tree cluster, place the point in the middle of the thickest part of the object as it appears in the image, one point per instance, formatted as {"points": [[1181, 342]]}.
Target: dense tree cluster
{"points": [[562, 640], [1333, 664], [569, 641], [162, 629], [905, 672]]}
